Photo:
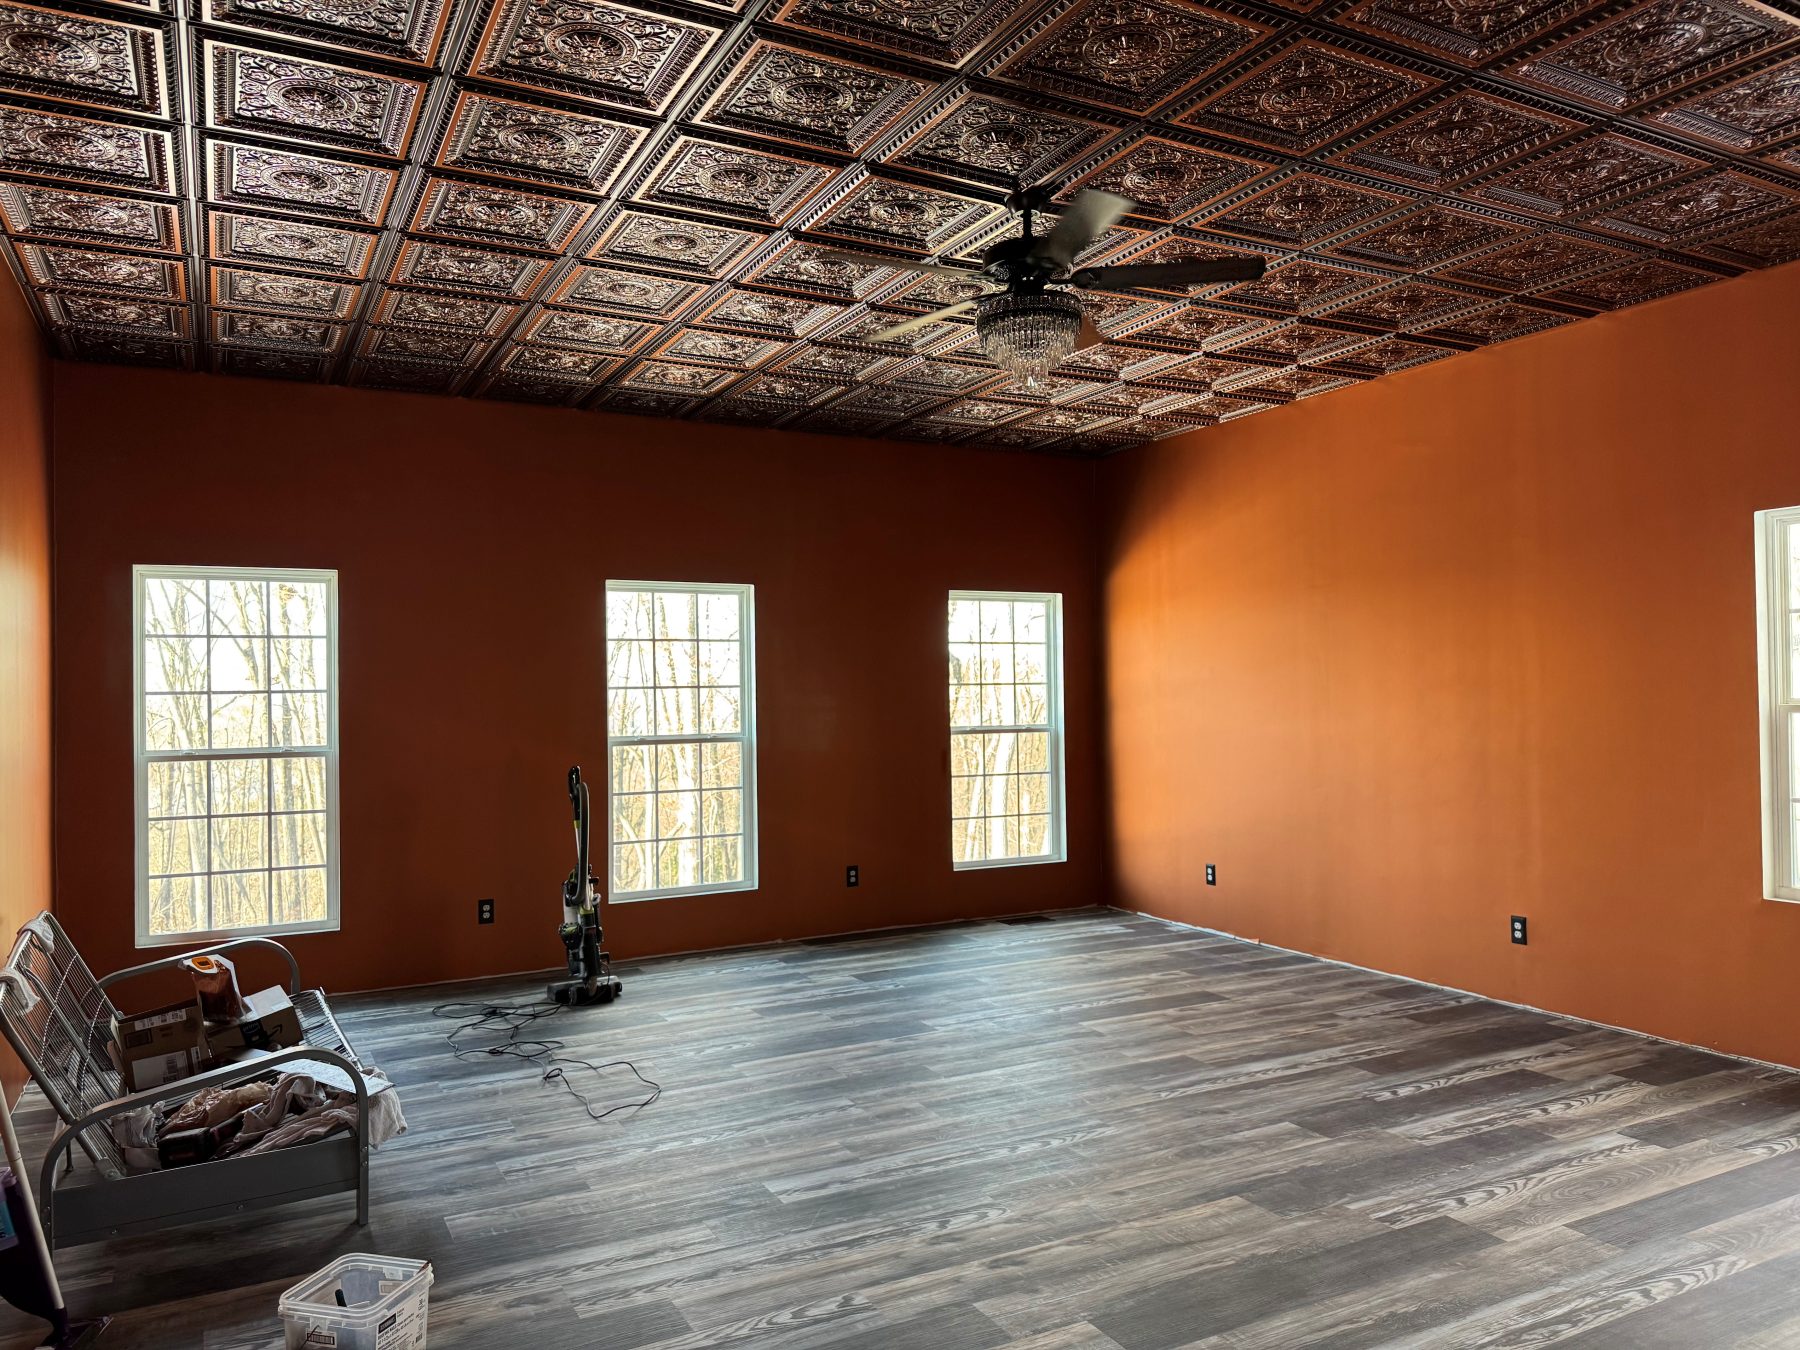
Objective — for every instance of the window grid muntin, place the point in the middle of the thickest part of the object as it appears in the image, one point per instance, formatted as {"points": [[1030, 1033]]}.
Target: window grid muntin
{"points": [[1008, 732], [314, 880], [703, 743]]}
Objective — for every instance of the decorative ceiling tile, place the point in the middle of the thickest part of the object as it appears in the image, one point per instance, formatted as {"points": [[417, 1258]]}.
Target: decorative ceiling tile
{"points": [[1300, 210], [1200, 373], [1388, 355], [1304, 96], [1644, 50], [765, 315], [1298, 382], [126, 313], [1451, 140], [404, 30], [443, 311], [244, 175], [86, 217], [1425, 238], [269, 364], [264, 241], [1301, 286], [412, 377], [1499, 323], [666, 241], [1575, 177], [1293, 342], [888, 401], [1617, 287], [671, 377], [1192, 328], [1132, 55], [945, 377], [803, 267], [976, 137], [726, 349], [1410, 304], [796, 96], [555, 363], [239, 287], [934, 290], [944, 32], [498, 215], [123, 349], [618, 291], [459, 268], [642, 402], [519, 388], [56, 145], [262, 92], [136, 273], [593, 332], [716, 179], [1760, 245], [1746, 113], [1168, 179], [1536, 261], [510, 139], [787, 389], [421, 344], [1469, 31], [99, 62], [1698, 206], [238, 328], [1069, 421], [612, 54], [892, 214], [844, 365]]}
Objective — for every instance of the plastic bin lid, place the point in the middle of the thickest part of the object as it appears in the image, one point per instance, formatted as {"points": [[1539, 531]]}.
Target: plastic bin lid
{"points": [[314, 1291]]}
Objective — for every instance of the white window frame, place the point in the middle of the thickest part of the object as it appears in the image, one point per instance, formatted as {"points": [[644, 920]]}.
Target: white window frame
{"points": [[1059, 848], [744, 738], [1774, 681], [143, 757]]}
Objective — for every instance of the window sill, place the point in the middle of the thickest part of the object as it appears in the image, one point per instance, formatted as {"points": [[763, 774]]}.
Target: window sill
{"points": [[991, 864], [685, 893], [208, 939]]}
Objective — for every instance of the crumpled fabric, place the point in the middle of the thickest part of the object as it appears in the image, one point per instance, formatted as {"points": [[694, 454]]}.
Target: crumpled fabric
{"points": [[216, 1105], [299, 1110], [136, 1133]]}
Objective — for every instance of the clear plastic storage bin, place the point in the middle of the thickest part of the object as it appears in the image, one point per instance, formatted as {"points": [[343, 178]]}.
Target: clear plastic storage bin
{"points": [[383, 1308]]}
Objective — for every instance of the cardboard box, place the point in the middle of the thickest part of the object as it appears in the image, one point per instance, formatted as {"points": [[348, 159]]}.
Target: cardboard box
{"points": [[159, 1046], [269, 1023]]}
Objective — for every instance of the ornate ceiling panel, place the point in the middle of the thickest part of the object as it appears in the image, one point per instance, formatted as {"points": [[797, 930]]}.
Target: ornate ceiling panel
{"points": [[623, 206]]}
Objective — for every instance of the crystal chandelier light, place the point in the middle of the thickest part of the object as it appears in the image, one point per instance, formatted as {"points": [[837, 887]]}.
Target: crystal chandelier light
{"points": [[1028, 335]]}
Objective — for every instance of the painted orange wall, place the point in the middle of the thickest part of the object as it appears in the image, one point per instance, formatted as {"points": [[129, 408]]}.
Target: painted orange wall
{"points": [[25, 877], [1475, 640], [473, 541]]}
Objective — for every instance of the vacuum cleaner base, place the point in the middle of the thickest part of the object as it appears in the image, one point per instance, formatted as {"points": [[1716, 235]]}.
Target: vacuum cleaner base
{"points": [[578, 993]]}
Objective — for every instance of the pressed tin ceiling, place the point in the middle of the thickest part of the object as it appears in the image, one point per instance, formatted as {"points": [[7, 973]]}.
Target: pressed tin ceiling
{"points": [[615, 206]]}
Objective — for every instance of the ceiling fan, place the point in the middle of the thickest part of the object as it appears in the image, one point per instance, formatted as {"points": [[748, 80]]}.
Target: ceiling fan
{"points": [[1032, 320]]}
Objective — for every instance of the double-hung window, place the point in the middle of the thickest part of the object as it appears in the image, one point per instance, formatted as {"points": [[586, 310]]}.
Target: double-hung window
{"points": [[1006, 758], [681, 738], [1778, 646], [235, 692]]}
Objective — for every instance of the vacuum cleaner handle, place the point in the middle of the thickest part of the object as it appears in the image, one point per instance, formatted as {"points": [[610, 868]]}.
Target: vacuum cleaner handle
{"points": [[574, 786]]}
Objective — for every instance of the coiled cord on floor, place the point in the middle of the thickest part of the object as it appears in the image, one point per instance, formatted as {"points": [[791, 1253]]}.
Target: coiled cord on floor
{"points": [[494, 1019]]}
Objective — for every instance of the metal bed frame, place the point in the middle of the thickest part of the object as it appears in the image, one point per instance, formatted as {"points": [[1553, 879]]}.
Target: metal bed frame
{"points": [[58, 1019]]}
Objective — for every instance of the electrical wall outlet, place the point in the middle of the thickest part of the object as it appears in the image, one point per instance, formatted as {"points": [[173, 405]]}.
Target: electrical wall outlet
{"points": [[484, 911], [852, 875], [1212, 875], [1518, 929]]}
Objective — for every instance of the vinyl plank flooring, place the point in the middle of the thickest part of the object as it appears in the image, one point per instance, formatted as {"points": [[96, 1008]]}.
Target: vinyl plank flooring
{"points": [[1094, 1132]]}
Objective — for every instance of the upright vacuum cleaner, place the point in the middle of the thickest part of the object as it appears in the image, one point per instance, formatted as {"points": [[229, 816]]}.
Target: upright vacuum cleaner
{"points": [[590, 969]]}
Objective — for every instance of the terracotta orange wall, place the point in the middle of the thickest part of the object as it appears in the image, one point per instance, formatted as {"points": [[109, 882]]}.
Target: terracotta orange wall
{"points": [[25, 877], [472, 542], [1470, 641]]}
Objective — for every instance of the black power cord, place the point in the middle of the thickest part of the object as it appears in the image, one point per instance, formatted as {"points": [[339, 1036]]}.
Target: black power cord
{"points": [[493, 1019]]}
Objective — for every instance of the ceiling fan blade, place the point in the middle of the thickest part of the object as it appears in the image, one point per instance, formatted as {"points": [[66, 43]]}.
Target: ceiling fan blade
{"points": [[901, 329], [1169, 276], [903, 264], [1089, 216], [1089, 335]]}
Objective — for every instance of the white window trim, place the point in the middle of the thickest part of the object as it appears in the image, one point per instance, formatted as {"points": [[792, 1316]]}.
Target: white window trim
{"points": [[746, 738], [1059, 848], [142, 757], [1773, 682]]}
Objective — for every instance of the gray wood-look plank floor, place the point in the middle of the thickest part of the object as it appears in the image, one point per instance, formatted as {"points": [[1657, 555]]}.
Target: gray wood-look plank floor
{"points": [[1095, 1132]]}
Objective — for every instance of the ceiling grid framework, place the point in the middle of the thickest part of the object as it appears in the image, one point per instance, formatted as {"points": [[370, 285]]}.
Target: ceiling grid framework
{"points": [[622, 206]]}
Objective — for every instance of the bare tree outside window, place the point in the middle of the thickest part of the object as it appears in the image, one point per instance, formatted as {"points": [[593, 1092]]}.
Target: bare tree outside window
{"points": [[1005, 728], [236, 756], [680, 738]]}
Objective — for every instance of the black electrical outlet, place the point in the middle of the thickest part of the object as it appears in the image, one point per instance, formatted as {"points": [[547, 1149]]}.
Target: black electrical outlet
{"points": [[852, 875], [1518, 929], [1212, 875], [484, 911]]}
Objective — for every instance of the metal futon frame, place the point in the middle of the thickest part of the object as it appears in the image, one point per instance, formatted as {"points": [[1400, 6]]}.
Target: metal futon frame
{"points": [[58, 1018]]}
